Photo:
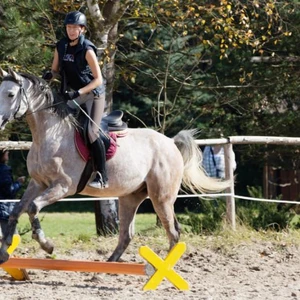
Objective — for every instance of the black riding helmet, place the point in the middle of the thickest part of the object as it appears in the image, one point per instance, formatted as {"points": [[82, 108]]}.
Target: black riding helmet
{"points": [[75, 18]]}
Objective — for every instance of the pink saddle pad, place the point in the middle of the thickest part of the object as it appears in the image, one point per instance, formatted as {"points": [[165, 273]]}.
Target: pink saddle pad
{"points": [[84, 151]]}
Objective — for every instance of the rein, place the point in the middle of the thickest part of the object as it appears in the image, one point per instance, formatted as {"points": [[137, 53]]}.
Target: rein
{"points": [[24, 96], [46, 107]]}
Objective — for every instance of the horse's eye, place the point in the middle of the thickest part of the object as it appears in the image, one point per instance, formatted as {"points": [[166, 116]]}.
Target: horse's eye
{"points": [[11, 94]]}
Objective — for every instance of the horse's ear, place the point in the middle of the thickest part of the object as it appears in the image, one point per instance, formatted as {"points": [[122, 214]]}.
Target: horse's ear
{"points": [[3, 73], [15, 75]]}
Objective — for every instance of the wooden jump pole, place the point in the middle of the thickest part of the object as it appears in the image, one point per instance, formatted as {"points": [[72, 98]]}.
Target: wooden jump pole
{"points": [[156, 267], [78, 266]]}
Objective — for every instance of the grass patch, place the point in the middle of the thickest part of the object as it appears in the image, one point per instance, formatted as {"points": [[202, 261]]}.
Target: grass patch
{"points": [[74, 224], [78, 230], [68, 230]]}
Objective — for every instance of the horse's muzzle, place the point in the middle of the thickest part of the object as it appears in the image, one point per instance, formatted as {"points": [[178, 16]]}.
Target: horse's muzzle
{"points": [[3, 122]]}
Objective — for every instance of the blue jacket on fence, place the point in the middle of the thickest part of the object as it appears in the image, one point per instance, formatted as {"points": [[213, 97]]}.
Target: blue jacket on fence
{"points": [[8, 190]]}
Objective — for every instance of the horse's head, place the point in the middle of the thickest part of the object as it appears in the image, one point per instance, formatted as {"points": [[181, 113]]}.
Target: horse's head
{"points": [[13, 103]]}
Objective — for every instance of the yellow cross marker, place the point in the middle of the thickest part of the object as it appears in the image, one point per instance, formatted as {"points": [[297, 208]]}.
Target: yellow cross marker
{"points": [[18, 274], [164, 267]]}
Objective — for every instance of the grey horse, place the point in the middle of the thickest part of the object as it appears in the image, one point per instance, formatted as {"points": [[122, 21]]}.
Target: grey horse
{"points": [[146, 164]]}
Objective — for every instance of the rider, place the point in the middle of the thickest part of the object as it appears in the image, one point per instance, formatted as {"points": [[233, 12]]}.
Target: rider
{"points": [[75, 59]]}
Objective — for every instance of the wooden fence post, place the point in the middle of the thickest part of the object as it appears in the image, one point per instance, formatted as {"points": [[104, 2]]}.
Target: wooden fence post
{"points": [[230, 202]]}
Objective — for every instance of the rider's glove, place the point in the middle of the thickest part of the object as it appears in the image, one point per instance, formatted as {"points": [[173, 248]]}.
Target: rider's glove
{"points": [[71, 95], [47, 75]]}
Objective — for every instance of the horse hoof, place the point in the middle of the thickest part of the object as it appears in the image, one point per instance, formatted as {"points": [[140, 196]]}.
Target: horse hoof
{"points": [[4, 256], [48, 247]]}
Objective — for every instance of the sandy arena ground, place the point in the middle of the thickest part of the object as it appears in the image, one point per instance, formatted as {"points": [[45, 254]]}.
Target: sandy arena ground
{"points": [[257, 271]]}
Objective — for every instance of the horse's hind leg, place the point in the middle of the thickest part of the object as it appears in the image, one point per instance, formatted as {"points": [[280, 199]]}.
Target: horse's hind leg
{"points": [[127, 209], [166, 214], [163, 196]]}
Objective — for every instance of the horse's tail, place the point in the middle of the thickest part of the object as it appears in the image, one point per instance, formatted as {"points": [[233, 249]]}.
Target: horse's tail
{"points": [[195, 177]]}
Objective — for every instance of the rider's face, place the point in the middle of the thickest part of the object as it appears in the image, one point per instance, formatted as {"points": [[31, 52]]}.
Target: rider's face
{"points": [[74, 31]]}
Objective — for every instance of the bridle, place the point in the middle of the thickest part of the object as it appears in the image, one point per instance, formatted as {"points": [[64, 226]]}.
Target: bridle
{"points": [[23, 98], [17, 114]]}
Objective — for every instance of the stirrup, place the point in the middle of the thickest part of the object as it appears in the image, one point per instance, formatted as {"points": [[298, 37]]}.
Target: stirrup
{"points": [[98, 182]]}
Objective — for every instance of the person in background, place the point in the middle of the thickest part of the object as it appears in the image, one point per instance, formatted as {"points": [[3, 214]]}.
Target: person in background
{"points": [[214, 161], [8, 189]]}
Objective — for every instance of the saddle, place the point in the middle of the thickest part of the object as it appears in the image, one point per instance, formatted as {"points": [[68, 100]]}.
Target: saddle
{"points": [[113, 121], [112, 127]]}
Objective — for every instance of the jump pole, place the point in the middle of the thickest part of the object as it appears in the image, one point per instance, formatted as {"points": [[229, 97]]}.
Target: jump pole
{"points": [[79, 266], [16, 267]]}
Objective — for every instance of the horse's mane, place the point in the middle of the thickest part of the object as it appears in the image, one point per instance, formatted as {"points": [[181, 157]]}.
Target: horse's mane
{"points": [[52, 101]]}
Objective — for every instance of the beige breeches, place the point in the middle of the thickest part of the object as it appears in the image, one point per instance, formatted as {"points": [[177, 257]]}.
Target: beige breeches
{"points": [[95, 109]]}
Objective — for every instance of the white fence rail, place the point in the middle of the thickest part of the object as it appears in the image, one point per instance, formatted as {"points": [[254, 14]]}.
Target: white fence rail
{"points": [[228, 147], [228, 144]]}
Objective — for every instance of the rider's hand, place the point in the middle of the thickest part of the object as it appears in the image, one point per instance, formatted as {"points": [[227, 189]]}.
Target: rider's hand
{"points": [[47, 75], [71, 95], [21, 179]]}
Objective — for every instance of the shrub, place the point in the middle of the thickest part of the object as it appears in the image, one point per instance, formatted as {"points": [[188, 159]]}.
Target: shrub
{"points": [[255, 214], [266, 215], [209, 220]]}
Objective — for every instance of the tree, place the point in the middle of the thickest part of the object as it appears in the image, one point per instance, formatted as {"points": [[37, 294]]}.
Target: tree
{"points": [[180, 64], [193, 53]]}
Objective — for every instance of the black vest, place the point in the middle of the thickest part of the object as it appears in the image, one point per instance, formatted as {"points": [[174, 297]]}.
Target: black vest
{"points": [[83, 70]]}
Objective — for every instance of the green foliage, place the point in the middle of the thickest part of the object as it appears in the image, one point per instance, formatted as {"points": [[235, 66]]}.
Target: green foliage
{"points": [[182, 54], [266, 215], [161, 65], [25, 23], [257, 215], [210, 220], [177, 55], [83, 238]]}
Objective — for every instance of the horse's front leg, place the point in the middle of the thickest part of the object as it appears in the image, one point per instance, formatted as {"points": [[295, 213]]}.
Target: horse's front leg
{"points": [[42, 198], [31, 192], [49, 196]]}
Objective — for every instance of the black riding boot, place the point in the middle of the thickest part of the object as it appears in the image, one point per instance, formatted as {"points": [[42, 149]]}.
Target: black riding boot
{"points": [[99, 157]]}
